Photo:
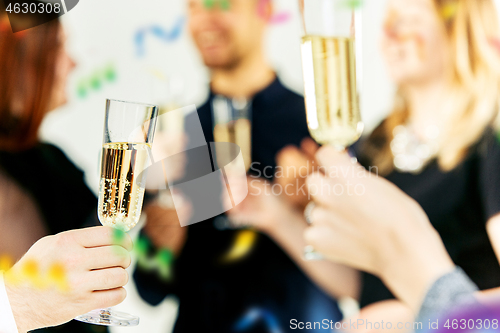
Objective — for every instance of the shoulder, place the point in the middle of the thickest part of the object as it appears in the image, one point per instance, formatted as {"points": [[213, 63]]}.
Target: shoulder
{"points": [[53, 156], [487, 151], [288, 95], [52, 151], [490, 142]]}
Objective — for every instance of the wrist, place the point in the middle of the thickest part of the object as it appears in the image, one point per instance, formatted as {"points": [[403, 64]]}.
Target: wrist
{"points": [[413, 270], [285, 218], [23, 316]]}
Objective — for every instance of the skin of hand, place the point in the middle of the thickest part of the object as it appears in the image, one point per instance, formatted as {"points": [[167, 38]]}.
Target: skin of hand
{"points": [[164, 229], [261, 209], [94, 265], [276, 217], [296, 164], [366, 222]]}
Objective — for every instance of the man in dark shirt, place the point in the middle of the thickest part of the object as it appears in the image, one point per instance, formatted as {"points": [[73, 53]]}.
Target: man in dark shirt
{"points": [[265, 290]]}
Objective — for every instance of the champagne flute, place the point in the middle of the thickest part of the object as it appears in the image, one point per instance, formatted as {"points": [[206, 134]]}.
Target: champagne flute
{"points": [[232, 123], [329, 68], [128, 135]]}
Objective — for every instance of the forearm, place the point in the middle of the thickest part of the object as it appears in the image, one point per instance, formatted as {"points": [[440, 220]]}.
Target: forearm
{"points": [[415, 266], [337, 280], [7, 316], [25, 319]]}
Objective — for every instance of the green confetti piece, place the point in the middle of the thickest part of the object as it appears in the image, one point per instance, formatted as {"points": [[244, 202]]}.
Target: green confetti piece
{"points": [[95, 81], [165, 274], [82, 89], [118, 235], [224, 4], [110, 73], [165, 257], [164, 271], [209, 4], [145, 263], [353, 4], [142, 246]]}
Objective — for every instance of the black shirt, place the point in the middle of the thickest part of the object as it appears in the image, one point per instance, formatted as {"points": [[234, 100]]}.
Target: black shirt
{"points": [[214, 297], [458, 203], [65, 202]]}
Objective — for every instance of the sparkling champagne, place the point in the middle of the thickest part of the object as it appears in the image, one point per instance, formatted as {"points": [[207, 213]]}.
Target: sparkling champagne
{"points": [[122, 185], [238, 132], [329, 69]]}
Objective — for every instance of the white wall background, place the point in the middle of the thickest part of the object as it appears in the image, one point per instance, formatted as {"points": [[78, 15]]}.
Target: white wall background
{"points": [[102, 31]]}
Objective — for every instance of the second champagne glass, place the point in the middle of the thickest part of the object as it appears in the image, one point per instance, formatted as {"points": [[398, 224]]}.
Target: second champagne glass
{"points": [[329, 67]]}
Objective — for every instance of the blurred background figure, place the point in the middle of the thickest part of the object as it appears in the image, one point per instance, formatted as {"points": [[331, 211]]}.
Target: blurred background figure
{"points": [[439, 143], [41, 191], [225, 294]]}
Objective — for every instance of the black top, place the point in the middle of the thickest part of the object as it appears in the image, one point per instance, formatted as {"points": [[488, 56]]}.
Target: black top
{"points": [[59, 191], [458, 204], [56, 185], [215, 297]]}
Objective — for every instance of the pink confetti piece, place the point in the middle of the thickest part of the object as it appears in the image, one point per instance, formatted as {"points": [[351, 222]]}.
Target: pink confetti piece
{"points": [[280, 17], [495, 42]]}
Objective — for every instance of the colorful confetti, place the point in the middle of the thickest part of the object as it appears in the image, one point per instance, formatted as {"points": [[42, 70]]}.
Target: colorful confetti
{"points": [[57, 275], [96, 80], [161, 261], [449, 10], [243, 244], [495, 42], [165, 35], [280, 17], [222, 4], [30, 273], [118, 236], [254, 316], [6, 263], [353, 4]]}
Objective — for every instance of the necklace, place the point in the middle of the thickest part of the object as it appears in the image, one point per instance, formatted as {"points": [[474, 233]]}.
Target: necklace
{"points": [[411, 153]]}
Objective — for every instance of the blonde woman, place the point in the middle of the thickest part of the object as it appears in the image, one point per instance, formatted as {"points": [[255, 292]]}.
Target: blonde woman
{"points": [[438, 145]]}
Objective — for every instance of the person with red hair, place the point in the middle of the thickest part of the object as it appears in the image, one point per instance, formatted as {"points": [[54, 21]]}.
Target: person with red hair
{"points": [[41, 191]]}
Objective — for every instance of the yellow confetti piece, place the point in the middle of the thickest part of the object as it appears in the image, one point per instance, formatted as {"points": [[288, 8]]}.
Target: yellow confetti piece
{"points": [[30, 269], [6, 263], [30, 274], [57, 275], [242, 245], [449, 10]]}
